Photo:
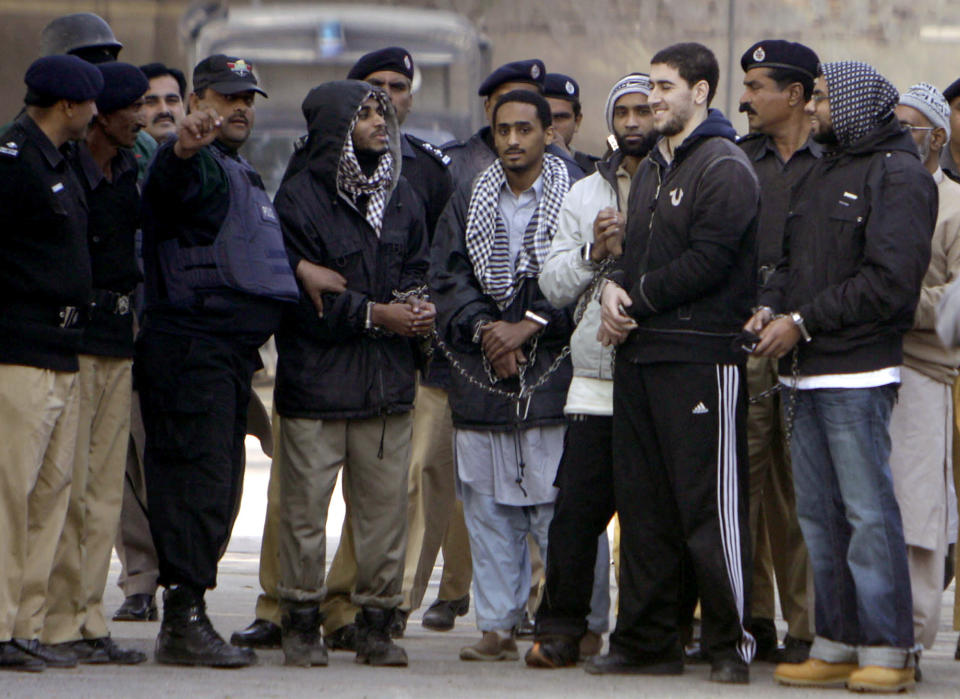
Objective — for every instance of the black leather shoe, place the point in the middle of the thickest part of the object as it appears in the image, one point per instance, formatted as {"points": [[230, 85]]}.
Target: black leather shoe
{"points": [[794, 650], [443, 613], [616, 663], [137, 608], [102, 651], [344, 638], [188, 638], [51, 656], [260, 634], [730, 671], [12, 658]]}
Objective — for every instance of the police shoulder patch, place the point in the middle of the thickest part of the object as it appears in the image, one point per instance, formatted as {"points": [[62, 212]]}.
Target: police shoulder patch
{"points": [[431, 150], [11, 149]]}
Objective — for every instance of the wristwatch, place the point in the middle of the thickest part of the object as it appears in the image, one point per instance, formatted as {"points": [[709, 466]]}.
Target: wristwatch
{"points": [[586, 252], [798, 321]]}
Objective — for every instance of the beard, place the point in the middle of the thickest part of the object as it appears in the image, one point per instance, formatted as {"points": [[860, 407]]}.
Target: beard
{"points": [[674, 125], [924, 148], [825, 137], [637, 150]]}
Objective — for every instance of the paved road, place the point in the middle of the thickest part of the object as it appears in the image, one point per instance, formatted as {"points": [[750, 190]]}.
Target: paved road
{"points": [[435, 670]]}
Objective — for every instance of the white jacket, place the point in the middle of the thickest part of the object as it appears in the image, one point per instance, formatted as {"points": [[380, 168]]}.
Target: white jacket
{"points": [[566, 277]]}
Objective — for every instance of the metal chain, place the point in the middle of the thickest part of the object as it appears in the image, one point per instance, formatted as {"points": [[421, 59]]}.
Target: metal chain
{"points": [[791, 398]]}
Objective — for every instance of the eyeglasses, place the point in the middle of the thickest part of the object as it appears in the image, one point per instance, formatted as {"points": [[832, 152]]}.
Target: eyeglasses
{"points": [[917, 128], [819, 97]]}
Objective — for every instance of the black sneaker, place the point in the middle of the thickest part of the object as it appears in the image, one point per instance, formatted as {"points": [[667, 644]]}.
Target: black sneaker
{"points": [[794, 650], [617, 663], [730, 671]]}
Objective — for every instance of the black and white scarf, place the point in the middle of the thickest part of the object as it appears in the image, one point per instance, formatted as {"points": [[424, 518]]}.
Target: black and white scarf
{"points": [[487, 240], [352, 181], [860, 99]]}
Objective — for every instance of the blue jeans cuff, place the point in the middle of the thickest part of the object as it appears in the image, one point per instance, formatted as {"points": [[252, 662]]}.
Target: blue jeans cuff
{"points": [[833, 651], [887, 656]]}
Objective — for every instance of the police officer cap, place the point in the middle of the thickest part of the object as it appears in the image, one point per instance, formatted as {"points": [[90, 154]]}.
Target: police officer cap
{"points": [[562, 86], [62, 77], [777, 53], [123, 84], [531, 71], [392, 58], [227, 75], [952, 92]]}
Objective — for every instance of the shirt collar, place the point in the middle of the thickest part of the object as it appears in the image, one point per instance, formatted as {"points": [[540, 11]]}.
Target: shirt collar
{"points": [[536, 188], [938, 175], [52, 154], [119, 165], [816, 150]]}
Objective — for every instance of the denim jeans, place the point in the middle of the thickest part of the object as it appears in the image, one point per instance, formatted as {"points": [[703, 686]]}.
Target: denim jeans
{"points": [[852, 526]]}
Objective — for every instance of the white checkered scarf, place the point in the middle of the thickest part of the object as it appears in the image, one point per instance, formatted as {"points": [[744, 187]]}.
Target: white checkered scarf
{"points": [[350, 177], [488, 243], [860, 99]]}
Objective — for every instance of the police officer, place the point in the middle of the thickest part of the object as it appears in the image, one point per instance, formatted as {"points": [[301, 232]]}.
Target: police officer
{"points": [[470, 157], [216, 279], [45, 281], [107, 169], [778, 81], [563, 96], [81, 34]]}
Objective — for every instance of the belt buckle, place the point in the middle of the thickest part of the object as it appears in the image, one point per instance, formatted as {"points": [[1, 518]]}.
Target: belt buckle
{"points": [[123, 305]]}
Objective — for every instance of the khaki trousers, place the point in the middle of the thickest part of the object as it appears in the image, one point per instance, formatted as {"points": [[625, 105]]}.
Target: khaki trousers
{"points": [[774, 529], [82, 563], [375, 454], [956, 483], [139, 568], [434, 520], [38, 434]]}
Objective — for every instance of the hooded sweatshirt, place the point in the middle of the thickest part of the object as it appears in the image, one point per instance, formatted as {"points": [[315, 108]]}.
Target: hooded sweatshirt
{"points": [[857, 239], [334, 366]]}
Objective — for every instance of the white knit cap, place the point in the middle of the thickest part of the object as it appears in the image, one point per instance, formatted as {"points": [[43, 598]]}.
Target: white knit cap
{"points": [[628, 84], [929, 101]]}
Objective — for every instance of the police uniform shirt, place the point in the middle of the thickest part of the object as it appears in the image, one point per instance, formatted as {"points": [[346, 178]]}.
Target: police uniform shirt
{"points": [[777, 180], [425, 168], [114, 217], [44, 261]]}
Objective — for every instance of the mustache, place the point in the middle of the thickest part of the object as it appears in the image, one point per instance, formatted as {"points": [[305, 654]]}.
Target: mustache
{"points": [[747, 108], [163, 115]]}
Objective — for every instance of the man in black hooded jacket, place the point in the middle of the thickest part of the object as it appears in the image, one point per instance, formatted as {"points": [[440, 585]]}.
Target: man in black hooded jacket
{"points": [[345, 373], [856, 248], [679, 400]]}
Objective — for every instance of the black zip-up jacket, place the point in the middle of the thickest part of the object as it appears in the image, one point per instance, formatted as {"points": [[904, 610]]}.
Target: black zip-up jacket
{"points": [[688, 263], [856, 248], [333, 367], [462, 304]]}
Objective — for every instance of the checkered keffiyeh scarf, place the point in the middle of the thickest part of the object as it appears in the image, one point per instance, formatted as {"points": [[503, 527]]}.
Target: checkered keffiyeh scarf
{"points": [[350, 177], [860, 99], [488, 243]]}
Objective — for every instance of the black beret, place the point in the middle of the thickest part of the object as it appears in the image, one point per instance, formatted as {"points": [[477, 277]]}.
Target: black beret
{"points": [[562, 86], [123, 84], [392, 58], [777, 53], [227, 75], [953, 91], [529, 71], [62, 77]]}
